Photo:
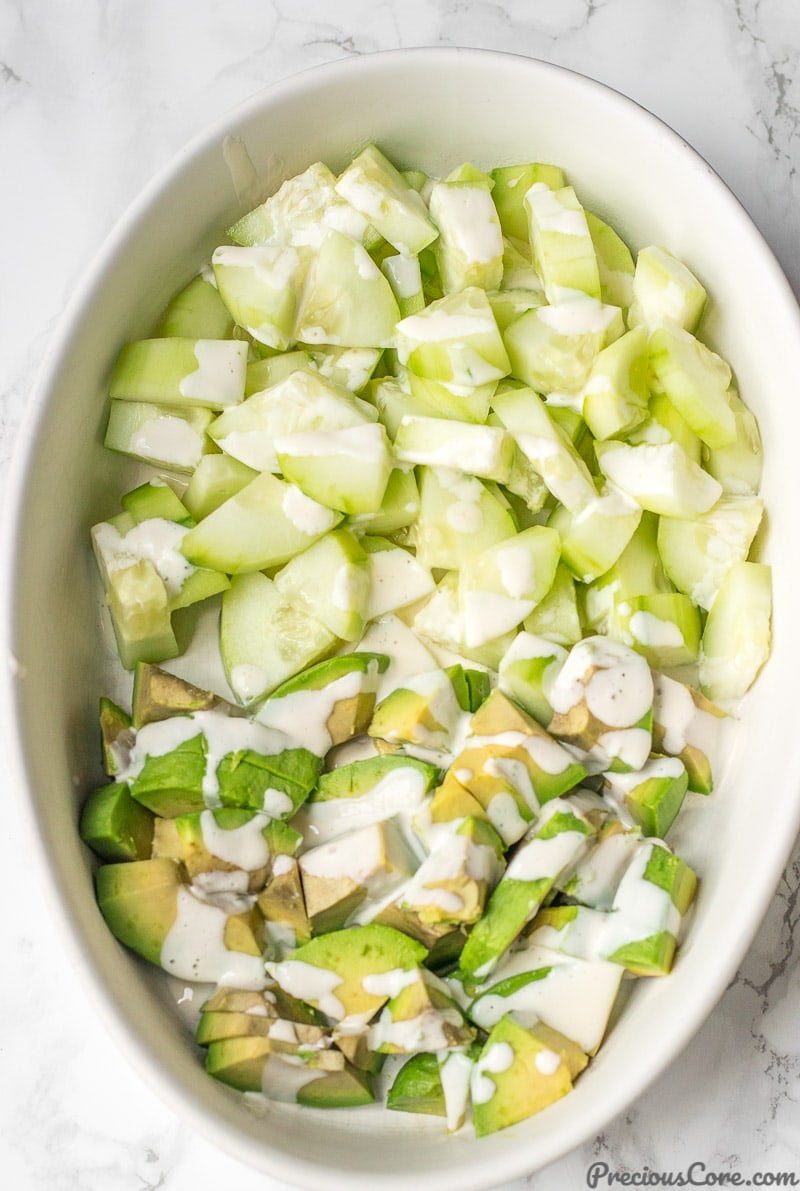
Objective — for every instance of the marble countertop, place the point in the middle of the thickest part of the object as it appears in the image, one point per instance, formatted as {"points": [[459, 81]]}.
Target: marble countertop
{"points": [[97, 95]]}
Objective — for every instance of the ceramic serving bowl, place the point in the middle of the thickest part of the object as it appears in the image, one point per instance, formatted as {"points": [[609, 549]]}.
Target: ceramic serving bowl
{"points": [[431, 108]]}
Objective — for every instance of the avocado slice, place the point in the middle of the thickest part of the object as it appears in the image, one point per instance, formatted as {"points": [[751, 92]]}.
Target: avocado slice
{"points": [[350, 963], [451, 801], [246, 778], [115, 826], [424, 711], [251, 1064], [215, 1025], [515, 1076], [686, 725]]}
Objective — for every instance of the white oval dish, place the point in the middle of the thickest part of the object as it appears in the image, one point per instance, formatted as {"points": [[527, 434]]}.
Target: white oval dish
{"points": [[432, 108]]}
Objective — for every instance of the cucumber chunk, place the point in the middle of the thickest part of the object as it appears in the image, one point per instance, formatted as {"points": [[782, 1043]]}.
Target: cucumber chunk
{"points": [[266, 638], [181, 372], [737, 636]]}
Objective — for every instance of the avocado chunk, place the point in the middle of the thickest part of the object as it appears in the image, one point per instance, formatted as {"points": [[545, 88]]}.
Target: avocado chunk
{"points": [[538, 986], [340, 875], [425, 711], [361, 777], [327, 704], [560, 835], [451, 885], [512, 765], [251, 1064], [641, 929], [653, 795], [139, 901], [417, 1087], [172, 784], [271, 1002], [115, 826], [116, 735], [421, 1016], [214, 1025], [157, 695], [226, 840], [686, 725], [515, 1076], [283, 905], [350, 964]]}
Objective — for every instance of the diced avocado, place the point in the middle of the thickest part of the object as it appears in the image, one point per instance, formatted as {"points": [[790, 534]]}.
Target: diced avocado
{"points": [[422, 1016], [241, 1000], [139, 901], [115, 826], [654, 794], [338, 876], [115, 725], [247, 778], [349, 1088], [343, 708], [282, 901], [686, 725], [595, 669], [417, 1087], [425, 711], [560, 835], [214, 1025], [206, 840], [452, 884], [344, 959], [172, 784], [551, 769], [157, 695], [359, 777], [239, 1062], [515, 1076], [451, 801]]}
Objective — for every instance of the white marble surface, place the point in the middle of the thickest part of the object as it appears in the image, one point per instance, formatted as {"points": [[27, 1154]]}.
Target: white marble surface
{"points": [[95, 95]]}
